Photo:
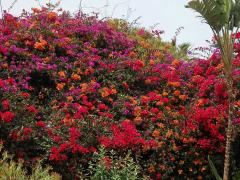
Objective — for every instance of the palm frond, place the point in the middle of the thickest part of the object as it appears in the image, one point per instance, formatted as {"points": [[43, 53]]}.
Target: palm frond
{"points": [[213, 169], [184, 47], [215, 12], [235, 15]]}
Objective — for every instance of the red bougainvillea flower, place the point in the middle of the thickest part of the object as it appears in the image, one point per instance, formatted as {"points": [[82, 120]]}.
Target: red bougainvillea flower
{"points": [[41, 124], [7, 116], [237, 35], [5, 104], [74, 134], [27, 131], [220, 90], [56, 155], [32, 109], [25, 95]]}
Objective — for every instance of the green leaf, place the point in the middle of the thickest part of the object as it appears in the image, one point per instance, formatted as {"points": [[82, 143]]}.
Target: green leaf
{"points": [[237, 176], [213, 169], [235, 15], [227, 9], [216, 13]]}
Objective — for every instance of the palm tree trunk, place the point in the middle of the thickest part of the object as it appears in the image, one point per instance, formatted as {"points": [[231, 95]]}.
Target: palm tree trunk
{"points": [[229, 128]]}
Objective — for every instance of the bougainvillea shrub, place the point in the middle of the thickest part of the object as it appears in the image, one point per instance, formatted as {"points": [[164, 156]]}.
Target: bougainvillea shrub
{"points": [[71, 84]]}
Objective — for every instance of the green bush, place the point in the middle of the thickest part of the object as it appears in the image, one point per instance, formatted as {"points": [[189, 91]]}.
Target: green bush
{"points": [[11, 170], [111, 167]]}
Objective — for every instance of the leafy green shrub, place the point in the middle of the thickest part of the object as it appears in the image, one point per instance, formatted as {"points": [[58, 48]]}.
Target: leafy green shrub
{"points": [[112, 167], [10, 169]]}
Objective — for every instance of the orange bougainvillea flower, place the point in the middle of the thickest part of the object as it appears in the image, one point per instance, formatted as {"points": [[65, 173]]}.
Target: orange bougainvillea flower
{"points": [[144, 99], [36, 10], [151, 169], [70, 98], [174, 84], [132, 54], [148, 81], [47, 60], [238, 103], [113, 90], [157, 54], [161, 125], [164, 93], [176, 62], [68, 121], [104, 92], [79, 71], [133, 101], [197, 162], [220, 66], [84, 87], [5, 65], [183, 97], [41, 44], [52, 15], [76, 77], [62, 74], [138, 120], [71, 88], [156, 134], [60, 86], [137, 111], [151, 62], [145, 44], [177, 93], [34, 24], [169, 133]]}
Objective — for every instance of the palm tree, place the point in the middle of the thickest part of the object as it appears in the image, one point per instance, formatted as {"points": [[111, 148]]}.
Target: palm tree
{"points": [[224, 19]]}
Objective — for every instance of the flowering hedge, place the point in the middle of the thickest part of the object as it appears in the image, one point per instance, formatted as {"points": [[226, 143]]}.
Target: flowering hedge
{"points": [[69, 85]]}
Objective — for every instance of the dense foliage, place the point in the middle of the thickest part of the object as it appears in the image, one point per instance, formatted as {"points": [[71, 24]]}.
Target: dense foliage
{"points": [[69, 85], [10, 169]]}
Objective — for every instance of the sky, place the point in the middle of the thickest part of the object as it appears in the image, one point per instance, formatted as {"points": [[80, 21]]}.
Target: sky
{"points": [[166, 15]]}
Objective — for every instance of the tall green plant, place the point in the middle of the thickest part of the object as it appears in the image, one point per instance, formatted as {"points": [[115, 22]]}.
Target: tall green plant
{"points": [[113, 168], [11, 170], [224, 19]]}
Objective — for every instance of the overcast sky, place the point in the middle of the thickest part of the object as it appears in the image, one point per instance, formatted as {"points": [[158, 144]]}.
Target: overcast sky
{"points": [[167, 15]]}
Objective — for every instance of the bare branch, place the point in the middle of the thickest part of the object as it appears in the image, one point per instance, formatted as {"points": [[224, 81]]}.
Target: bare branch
{"points": [[116, 6], [11, 6], [80, 6], [2, 13]]}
